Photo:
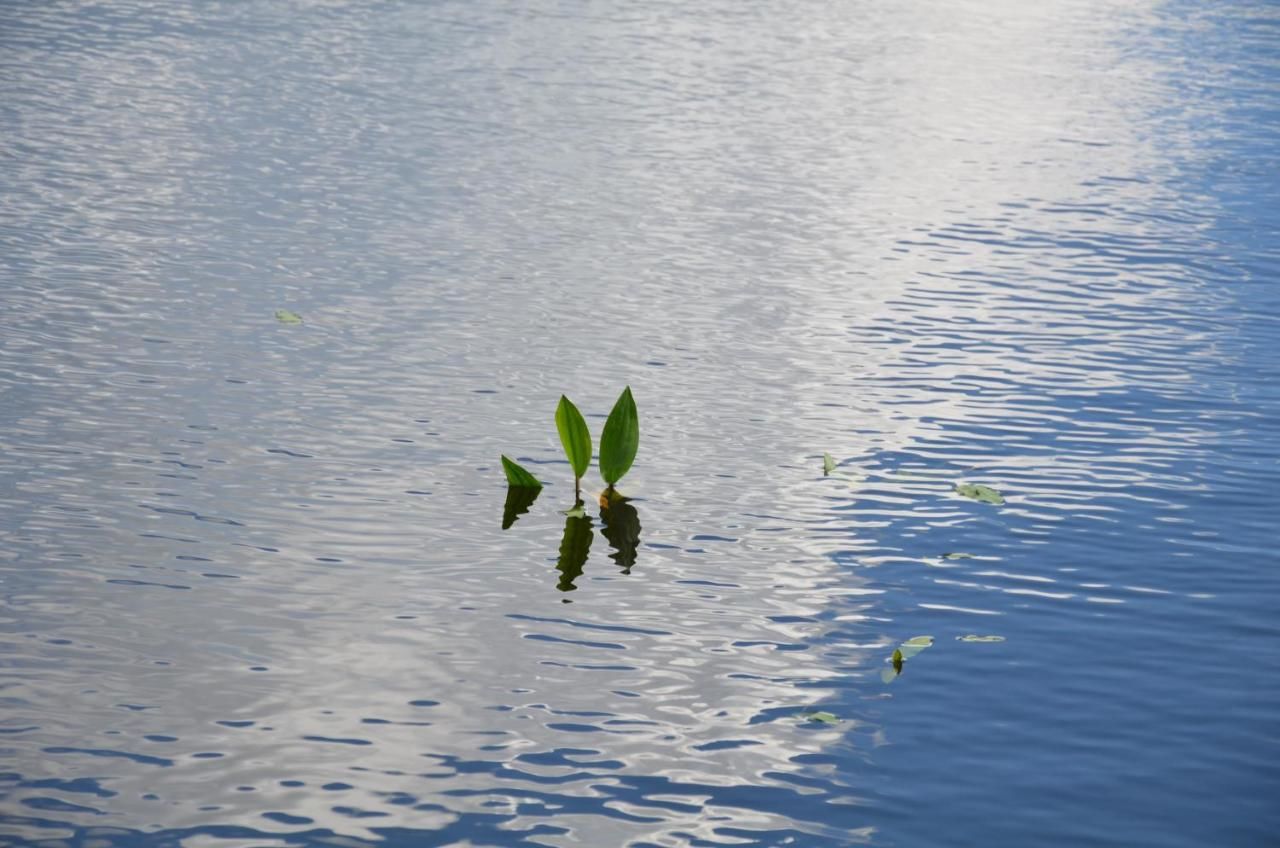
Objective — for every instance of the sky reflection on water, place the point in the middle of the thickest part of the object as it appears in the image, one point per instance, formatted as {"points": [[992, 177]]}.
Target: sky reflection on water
{"points": [[254, 584]]}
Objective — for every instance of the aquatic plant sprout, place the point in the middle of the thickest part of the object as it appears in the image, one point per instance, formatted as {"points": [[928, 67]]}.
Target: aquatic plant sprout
{"points": [[620, 439], [618, 444], [574, 437]]}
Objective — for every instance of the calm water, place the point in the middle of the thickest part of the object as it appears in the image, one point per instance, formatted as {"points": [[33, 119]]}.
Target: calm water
{"points": [[254, 588]]}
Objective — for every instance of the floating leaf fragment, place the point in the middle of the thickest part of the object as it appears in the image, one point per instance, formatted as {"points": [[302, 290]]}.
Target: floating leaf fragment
{"points": [[821, 717], [902, 653], [286, 316], [828, 464], [957, 555], [517, 477], [978, 492], [972, 638], [913, 646]]}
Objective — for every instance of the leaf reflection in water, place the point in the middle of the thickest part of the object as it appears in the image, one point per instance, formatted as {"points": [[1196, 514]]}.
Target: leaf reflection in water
{"points": [[621, 527], [575, 544], [519, 499]]}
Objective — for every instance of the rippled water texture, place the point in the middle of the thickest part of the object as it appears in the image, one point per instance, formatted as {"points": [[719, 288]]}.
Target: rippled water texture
{"points": [[255, 586]]}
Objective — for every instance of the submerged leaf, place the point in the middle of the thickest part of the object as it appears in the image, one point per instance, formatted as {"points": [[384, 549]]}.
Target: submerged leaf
{"points": [[972, 638], [620, 439], [821, 717], [828, 464], [978, 492], [574, 436], [904, 652], [285, 316], [517, 477], [913, 646]]}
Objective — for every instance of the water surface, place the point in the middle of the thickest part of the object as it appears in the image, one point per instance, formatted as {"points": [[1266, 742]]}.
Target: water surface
{"points": [[254, 586]]}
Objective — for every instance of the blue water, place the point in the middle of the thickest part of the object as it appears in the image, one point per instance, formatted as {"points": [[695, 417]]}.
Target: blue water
{"points": [[254, 585]]}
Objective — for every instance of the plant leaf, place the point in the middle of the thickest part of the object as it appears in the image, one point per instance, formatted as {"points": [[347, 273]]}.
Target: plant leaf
{"points": [[620, 439], [517, 477], [973, 638], [828, 464], [822, 717], [574, 436], [913, 646], [285, 316], [978, 492], [957, 555]]}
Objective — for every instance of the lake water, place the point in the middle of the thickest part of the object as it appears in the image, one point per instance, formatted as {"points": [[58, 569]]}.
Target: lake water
{"points": [[254, 586]]}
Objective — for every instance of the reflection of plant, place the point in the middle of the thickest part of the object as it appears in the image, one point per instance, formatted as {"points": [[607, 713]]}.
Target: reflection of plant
{"points": [[575, 545], [621, 528]]}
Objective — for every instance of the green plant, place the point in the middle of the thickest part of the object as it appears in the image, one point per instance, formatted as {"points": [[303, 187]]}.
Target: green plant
{"points": [[978, 492], [618, 444]]}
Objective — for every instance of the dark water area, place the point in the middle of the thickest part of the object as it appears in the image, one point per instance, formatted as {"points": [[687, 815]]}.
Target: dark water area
{"points": [[254, 583]]}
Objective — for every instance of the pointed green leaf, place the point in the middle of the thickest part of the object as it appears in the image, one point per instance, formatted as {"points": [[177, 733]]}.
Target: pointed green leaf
{"points": [[828, 464], [285, 316], [574, 435], [620, 439], [978, 492], [517, 477]]}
